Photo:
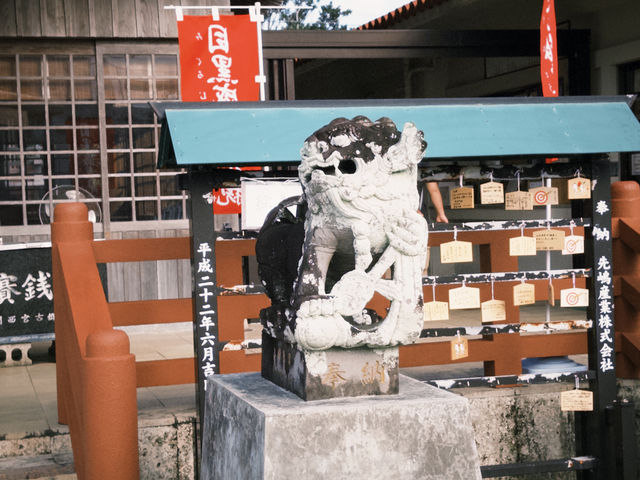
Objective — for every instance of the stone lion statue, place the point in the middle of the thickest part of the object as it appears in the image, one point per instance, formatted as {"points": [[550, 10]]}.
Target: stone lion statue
{"points": [[363, 234]]}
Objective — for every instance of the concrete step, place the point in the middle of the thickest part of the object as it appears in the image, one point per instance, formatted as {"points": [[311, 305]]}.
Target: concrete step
{"points": [[59, 467], [166, 439]]}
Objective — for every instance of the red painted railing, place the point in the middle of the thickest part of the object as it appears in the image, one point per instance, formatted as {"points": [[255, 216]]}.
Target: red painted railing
{"points": [[96, 374], [625, 229]]}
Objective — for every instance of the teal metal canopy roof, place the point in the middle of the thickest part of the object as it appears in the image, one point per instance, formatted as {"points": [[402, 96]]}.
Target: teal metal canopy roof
{"points": [[273, 132]]}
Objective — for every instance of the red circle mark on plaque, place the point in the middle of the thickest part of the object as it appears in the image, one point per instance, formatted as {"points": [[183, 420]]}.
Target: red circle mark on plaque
{"points": [[572, 298], [540, 197], [571, 246]]}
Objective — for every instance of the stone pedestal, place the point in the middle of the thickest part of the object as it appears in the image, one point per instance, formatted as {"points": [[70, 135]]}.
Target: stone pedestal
{"points": [[336, 372], [255, 430]]}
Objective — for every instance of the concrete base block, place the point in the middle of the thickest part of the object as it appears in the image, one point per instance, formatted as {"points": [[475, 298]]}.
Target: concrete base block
{"points": [[8, 352], [255, 430]]}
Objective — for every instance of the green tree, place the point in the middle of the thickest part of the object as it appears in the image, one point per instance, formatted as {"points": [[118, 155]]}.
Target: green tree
{"points": [[327, 16]]}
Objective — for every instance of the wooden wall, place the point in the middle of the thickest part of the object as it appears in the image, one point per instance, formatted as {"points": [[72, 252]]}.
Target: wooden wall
{"points": [[93, 18], [160, 279]]}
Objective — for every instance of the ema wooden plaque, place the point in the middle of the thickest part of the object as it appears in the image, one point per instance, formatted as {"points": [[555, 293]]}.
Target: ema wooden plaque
{"points": [[573, 244], [459, 348], [456, 252], [578, 188], [462, 298], [549, 239], [493, 311], [524, 294], [522, 246], [433, 311], [491, 193], [574, 297], [461, 197], [544, 196], [518, 201]]}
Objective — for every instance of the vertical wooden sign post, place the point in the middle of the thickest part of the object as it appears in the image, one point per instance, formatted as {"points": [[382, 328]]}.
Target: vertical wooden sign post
{"points": [[205, 288], [591, 427]]}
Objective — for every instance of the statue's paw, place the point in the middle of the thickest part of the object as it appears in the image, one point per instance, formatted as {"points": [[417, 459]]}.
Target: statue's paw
{"points": [[408, 234], [363, 318], [317, 326], [316, 307], [352, 292]]}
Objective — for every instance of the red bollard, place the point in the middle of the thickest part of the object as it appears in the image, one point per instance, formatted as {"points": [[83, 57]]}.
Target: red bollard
{"points": [[110, 407]]}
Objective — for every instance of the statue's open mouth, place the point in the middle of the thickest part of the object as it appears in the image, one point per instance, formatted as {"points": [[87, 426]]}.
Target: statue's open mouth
{"points": [[345, 167]]}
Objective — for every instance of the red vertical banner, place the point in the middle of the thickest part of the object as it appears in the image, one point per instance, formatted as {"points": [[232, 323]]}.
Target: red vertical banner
{"points": [[227, 200], [548, 54], [548, 50], [219, 59]]}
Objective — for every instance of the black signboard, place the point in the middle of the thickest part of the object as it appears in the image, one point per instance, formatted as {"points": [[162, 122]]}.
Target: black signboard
{"points": [[26, 295]]}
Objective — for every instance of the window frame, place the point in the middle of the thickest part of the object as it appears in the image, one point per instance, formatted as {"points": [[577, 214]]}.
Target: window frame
{"points": [[97, 50]]}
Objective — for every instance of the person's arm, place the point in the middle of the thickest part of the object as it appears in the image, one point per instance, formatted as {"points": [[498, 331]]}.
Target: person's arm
{"points": [[436, 199]]}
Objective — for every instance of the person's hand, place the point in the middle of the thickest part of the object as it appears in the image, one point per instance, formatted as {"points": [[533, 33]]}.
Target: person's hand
{"points": [[442, 218]]}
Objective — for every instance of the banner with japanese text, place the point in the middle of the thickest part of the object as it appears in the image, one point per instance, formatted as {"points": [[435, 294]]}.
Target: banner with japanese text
{"points": [[548, 50], [548, 54], [225, 200], [219, 59]]}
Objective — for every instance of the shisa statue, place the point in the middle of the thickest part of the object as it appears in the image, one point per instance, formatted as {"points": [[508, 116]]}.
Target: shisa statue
{"points": [[362, 234]]}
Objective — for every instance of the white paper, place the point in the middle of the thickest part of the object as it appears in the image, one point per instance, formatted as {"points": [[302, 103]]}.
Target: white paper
{"points": [[260, 196]]}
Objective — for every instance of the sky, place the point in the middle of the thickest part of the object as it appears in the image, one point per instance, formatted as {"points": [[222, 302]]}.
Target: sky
{"points": [[365, 10]]}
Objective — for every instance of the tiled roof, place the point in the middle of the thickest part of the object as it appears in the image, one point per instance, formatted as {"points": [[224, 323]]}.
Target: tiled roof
{"points": [[401, 13]]}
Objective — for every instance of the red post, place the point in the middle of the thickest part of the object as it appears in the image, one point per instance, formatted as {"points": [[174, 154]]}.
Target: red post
{"points": [[70, 224], [625, 199], [110, 408], [96, 373]]}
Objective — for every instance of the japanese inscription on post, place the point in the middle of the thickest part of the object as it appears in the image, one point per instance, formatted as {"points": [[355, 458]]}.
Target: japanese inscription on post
{"points": [[205, 290]]}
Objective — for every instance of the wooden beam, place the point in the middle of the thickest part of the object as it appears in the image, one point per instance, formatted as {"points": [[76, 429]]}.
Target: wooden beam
{"points": [[175, 371], [141, 249], [147, 312]]}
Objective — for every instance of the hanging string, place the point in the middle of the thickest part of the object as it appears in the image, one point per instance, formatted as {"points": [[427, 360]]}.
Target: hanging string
{"points": [[455, 233], [461, 179], [518, 177], [433, 289], [573, 278], [492, 282]]}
